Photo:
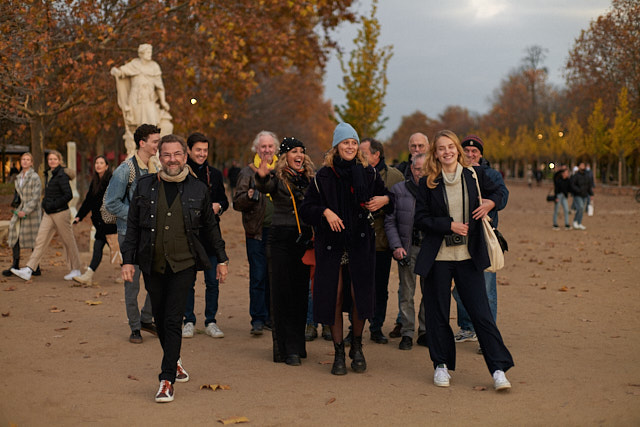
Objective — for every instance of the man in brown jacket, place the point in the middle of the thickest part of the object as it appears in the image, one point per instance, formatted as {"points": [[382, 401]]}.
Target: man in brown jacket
{"points": [[257, 209]]}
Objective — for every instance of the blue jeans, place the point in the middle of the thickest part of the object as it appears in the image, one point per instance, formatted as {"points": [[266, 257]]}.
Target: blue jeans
{"points": [[580, 203], [464, 321], [211, 293], [258, 279], [562, 200], [310, 308]]}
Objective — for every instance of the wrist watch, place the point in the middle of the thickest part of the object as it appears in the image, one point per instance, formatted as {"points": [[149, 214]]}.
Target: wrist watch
{"points": [[224, 263]]}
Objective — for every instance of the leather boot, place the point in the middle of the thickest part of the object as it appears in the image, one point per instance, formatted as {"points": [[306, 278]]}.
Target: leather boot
{"points": [[339, 365], [16, 264], [358, 364]]}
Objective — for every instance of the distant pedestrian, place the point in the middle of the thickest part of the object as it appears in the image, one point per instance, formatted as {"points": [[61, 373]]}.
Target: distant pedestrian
{"points": [[561, 190], [24, 224], [582, 189], [56, 218], [93, 203]]}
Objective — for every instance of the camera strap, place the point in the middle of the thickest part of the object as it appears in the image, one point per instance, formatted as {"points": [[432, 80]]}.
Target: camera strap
{"points": [[295, 208], [446, 199]]}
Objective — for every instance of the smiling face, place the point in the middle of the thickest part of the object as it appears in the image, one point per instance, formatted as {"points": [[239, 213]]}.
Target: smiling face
{"points": [[53, 161], [266, 148], [473, 155], [173, 158], [446, 153], [199, 152], [348, 149], [100, 166], [295, 158], [150, 146]]}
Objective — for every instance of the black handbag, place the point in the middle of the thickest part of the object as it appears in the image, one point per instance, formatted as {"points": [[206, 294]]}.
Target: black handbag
{"points": [[551, 197], [16, 200], [501, 240]]}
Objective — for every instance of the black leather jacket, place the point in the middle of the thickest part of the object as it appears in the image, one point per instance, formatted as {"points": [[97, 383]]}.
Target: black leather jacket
{"points": [[201, 225], [57, 191]]}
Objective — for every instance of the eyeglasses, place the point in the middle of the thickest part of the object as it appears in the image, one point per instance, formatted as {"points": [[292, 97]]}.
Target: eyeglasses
{"points": [[168, 156]]}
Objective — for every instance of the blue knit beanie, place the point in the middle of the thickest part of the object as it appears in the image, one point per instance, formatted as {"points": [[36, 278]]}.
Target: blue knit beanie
{"points": [[344, 131]]}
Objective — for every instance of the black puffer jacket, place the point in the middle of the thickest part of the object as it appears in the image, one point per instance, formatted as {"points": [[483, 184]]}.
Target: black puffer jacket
{"points": [[57, 191], [201, 226]]}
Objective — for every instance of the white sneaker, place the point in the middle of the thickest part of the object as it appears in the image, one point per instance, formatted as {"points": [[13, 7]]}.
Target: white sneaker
{"points": [[181, 375], [441, 376], [576, 226], [72, 274], [500, 381], [582, 227], [165, 392], [188, 330], [24, 273], [86, 278], [214, 331]]}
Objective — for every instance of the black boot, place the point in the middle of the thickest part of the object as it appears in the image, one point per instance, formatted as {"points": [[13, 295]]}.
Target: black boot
{"points": [[16, 264], [358, 364], [339, 365]]}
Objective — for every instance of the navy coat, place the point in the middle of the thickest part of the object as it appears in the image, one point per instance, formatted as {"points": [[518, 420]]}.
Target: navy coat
{"points": [[432, 217], [329, 246]]}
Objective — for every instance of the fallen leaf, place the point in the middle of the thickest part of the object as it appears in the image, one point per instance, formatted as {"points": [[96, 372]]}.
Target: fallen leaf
{"points": [[633, 385], [83, 342], [102, 294], [93, 302], [55, 309], [58, 253], [10, 288], [215, 387], [615, 336], [325, 362], [48, 344], [479, 388], [564, 289], [6, 314], [330, 401], [61, 329], [131, 377], [233, 420], [543, 287]]}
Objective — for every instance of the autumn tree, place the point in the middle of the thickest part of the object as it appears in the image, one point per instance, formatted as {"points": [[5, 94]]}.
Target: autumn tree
{"points": [[57, 54], [458, 119], [574, 139], [605, 58], [365, 79], [623, 135], [597, 136]]}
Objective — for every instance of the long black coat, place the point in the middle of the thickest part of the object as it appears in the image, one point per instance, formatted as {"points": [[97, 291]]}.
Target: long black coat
{"points": [[432, 217], [329, 246]]}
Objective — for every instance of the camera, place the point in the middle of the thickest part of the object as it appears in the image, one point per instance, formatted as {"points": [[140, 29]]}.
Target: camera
{"points": [[256, 195], [304, 241], [455, 239], [404, 261]]}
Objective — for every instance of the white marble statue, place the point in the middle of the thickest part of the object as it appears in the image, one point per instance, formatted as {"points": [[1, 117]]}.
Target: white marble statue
{"points": [[141, 95]]}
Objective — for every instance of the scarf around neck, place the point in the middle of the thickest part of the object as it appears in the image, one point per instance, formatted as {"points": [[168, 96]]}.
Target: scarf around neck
{"points": [[353, 173], [177, 178], [257, 161]]}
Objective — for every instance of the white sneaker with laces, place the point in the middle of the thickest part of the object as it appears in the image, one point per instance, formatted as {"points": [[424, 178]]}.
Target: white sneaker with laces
{"points": [[500, 381], [24, 273], [181, 375], [187, 330], [576, 226], [582, 227], [72, 274], [441, 376], [214, 331], [165, 392]]}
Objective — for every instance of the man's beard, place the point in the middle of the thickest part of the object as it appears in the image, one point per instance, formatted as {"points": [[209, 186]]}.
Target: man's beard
{"points": [[173, 169]]}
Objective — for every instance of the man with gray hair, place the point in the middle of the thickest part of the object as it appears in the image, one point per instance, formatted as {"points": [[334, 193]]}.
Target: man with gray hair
{"points": [[418, 144], [257, 209]]}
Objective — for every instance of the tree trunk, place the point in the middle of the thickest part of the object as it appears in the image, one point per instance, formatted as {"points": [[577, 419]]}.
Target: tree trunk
{"points": [[37, 143]]}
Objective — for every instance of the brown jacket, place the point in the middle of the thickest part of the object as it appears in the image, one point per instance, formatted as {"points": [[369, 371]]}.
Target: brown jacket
{"points": [[252, 210]]}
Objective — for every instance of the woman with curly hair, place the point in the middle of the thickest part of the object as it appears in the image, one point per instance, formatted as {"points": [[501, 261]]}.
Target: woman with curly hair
{"points": [[288, 240]]}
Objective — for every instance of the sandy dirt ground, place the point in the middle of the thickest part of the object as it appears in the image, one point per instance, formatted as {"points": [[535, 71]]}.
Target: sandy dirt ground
{"points": [[569, 310]]}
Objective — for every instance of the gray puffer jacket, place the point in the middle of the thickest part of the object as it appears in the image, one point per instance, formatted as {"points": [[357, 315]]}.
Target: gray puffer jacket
{"points": [[399, 224]]}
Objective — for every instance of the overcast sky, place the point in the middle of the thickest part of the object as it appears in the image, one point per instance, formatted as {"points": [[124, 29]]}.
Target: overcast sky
{"points": [[456, 52]]}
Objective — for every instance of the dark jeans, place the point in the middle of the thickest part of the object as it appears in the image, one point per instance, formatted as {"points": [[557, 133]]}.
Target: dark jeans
{"points": [[212, 290], [437, 301], [258, 279], [96, 258], [382, 270], [289, 291], [168, 294]]}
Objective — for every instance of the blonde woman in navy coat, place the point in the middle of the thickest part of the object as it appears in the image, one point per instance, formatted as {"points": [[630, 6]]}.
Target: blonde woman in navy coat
{"points": [[449, 212]]}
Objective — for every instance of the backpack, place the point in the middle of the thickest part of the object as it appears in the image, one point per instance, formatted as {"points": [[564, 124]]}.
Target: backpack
{"points": [[134, 173]]}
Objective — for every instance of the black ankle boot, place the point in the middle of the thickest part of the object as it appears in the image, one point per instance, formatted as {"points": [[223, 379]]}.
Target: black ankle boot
{"points": [[16, 264], [339, 365], [37, 272], [358, 363]]}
